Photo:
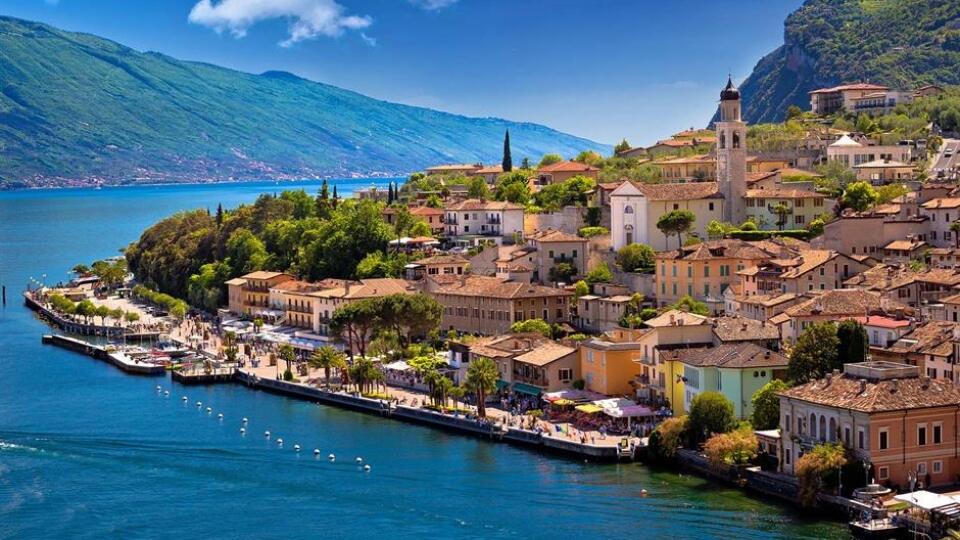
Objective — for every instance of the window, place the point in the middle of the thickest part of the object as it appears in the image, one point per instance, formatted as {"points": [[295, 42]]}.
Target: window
{"points": [[706, 271], [860, 439], [676, 206], [711, 207], [689, 270], [883, 473], [884, 442], [786, 456], [565, 374], [937, 467], [786, 422], [921, 468], [846, 435], [938, 433], [922, 435]]}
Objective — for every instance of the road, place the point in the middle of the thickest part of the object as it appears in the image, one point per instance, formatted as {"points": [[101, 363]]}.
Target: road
{"points": [[947, 162]]}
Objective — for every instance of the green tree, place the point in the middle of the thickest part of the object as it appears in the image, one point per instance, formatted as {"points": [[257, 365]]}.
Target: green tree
{"points": [[853, 342], [327, 358], [245, 252], [588, 157], [230, 348], [621, 147], [793, 112], [80, 269], [513, 187], [811, 468], [562, 272], [690, 305], [408, 315], [103, 312], [676, 222], [289, 356], [477, 188], [434, 201], [859, 196], [131, 316], [538, 326], [815, 354], [636, 258], [889, 192], [599, 274], [710, 412], [354, 323], [482, 375], [668, 437], [766, 405], [782, 210], [420, 228], [581, 288], [549, 159], [507, 159]]}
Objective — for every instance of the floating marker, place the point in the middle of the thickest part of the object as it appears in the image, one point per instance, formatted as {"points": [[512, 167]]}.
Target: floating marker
{"points": [[244, 419], [158, 388], [184, 398], [316, 451], [266, 434], [296, 448], [366, 468], [332, 457], [359, 460], [166, 393], [279, 442], [199, 404], [220, 416], [243, 431]]}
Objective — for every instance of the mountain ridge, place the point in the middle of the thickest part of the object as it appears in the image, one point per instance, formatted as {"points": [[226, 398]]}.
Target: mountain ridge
{"points": [[77, 108]]}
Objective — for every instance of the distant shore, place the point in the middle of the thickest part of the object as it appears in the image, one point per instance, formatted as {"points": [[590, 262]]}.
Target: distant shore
{"points": [[92, 186]]}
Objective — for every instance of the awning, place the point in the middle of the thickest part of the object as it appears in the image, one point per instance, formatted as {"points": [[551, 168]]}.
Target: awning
{"points": [[501, 384], [527, 389], [925, 500], [589, 408], [563, 402], [399, 365]]}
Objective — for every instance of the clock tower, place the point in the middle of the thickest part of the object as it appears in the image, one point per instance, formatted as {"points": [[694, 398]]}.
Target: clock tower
{"points": [[732, 155]]}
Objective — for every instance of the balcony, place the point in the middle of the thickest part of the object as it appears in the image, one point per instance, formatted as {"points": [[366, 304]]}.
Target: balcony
{"points": [[493, 221], [299, 309]]}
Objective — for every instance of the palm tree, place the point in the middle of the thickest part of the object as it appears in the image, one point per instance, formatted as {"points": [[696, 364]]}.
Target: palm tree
{"points": [[782, 211], [288, 355], [327, 358], [482, 378]]}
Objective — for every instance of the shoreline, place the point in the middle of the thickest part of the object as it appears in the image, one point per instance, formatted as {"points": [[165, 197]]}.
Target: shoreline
{"points": [[94, 187]]}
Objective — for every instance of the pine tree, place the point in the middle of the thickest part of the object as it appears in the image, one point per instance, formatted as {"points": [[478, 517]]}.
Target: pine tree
{"points": [[525, 164], [335, 197], [507, 160], [324, 191], [390, 194], [219, 215]]}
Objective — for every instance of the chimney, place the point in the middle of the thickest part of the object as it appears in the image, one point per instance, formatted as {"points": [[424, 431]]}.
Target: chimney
{"points": [[894, 385], [673, 319], [346, 288], [863, 386], [925, 382]]}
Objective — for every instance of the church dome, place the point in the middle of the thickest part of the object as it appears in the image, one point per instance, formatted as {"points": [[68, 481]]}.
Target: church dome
{"points": [[730, 92]]}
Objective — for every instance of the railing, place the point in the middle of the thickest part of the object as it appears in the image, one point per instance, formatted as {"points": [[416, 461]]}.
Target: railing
{"points": [[299, 309]]}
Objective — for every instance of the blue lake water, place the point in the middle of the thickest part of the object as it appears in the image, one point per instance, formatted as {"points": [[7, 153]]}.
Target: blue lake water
{"points": [[88, 452]]}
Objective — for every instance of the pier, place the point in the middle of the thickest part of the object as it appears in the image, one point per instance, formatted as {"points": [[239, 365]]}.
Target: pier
{"points": [[129, 363]]}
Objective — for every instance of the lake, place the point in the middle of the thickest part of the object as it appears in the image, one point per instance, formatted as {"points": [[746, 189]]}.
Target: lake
{"points": [[88, 452]]}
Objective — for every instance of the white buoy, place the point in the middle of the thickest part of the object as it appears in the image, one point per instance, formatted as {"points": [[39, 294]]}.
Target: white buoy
{"points": [[359, 460], [296, 448], [266, 434], [243, 431], [279, 442], [332, 457], [166, 393], [220, 416], [244, 419], [184, 398], [158, 388], [366, 468], [199, 404], [209, 410], [316, 451]]}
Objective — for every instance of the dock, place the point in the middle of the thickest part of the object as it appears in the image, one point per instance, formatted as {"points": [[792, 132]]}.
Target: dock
{"points": [[129, 363], [203, 376]]}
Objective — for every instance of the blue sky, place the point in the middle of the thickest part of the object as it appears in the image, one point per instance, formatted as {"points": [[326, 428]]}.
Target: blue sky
{"points": [[602, 69]]}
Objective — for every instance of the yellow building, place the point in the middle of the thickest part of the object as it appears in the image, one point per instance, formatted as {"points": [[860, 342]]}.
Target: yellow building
{"points": [[802, 207], [703, 271], [250, 294], [699, 167]]}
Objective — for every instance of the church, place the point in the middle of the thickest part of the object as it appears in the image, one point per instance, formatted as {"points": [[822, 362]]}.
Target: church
{"points": [[635, 207]]}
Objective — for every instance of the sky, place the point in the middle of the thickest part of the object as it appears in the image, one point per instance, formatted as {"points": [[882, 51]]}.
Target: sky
{"points": [[601, 69]]}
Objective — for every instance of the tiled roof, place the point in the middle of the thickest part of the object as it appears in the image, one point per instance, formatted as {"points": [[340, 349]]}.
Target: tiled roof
{"points": [[443, 259], [808, 260], [905, 245], [545, 353], [264, 274], [884, 277], [782, 193], [790, 171], [679, 192], [567, 166], [882, 322], [736, 328], [675, 317], [926, 337], [490, 169], [942, 202], [554, 235], [477, 204], [235, 281], [883, 164], [848, 392], [492, 287], [854, 86], [295, 285], [367, 288], [701, 158], [840, 302], [768, 300], [733, 355], [753, 177], [717, 249]]}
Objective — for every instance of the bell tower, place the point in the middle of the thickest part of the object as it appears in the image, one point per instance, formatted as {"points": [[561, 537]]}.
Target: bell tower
{"points": [[732, 155]]}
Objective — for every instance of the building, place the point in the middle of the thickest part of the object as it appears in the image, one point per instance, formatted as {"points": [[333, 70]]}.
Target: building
{"points": [[942, 212], [490, 173], [701, 167], [852, 153], [597, 314], [893, 419], [906, 285], [884, 171], [438, 265], [826, 101], [738, 329], [808, 271], [835, 305], [529, 363], [763, 307], [489, 305], [869, 233], [731, 155], [431, 216], [799, 207], [703, 271], [563, 171], [736, 370], [881, 101], [904, 251], [464, 169], [327, 300], [635, 208], [250, 294], [552, 247], [475, 218]]}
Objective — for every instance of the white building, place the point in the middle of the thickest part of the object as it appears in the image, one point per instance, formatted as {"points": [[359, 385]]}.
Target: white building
{"points": [[636, 207], [473, 218]]}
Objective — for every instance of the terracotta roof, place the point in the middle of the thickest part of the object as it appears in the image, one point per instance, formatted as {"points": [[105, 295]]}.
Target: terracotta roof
{"points": [[235, 281], [840, 302], [807, 260], [753, 177], [926, 337], [883, 277], [790, 171], [492, 287], [883, 164], [768, 300], [553, 235], [443, 259], [848, 392], [882, 322], [367, 288], [854, 86], [491, 169], [453, 167], [905, 245], [674, 143], [296, 286], [508, 345], [701, 158], [545, 353], [679, 192], [675, 317], [732, 355], [567, 166], [264, 274], [609, 186], [717, 249], [477, 204], [942, 202], [736, 328], [782, 193]]}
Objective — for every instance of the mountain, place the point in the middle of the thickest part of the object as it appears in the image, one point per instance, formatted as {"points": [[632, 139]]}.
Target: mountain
{"points": [[900, 43], [79, 108]]}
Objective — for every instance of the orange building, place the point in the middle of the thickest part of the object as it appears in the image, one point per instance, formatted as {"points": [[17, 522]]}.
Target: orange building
{"points": [[890, 417]]}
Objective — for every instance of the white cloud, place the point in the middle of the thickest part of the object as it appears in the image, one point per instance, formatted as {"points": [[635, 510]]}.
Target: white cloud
{"points": [[308, 18], [433, 5]]}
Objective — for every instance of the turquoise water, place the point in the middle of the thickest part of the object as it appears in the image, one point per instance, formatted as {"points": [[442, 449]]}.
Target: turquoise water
{"points": [[88, 452]]}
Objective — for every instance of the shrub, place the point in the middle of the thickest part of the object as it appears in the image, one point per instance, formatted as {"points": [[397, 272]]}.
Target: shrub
{"points": [[710, 412], [667, 438], [737, 447], [754, 235], [590, 232]]}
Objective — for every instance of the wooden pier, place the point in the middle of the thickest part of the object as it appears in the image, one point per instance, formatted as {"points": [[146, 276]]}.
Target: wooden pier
{"points": [[128, 363], [203, 376]]}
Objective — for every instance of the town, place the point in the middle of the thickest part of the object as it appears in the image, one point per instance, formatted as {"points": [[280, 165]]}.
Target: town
{"points": [[774, 306]]}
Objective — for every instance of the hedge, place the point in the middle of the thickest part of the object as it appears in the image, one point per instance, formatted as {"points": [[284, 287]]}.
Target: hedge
{"points": [[800, 234]]}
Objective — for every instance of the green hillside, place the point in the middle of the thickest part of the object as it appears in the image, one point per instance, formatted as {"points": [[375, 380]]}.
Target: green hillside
{"points": [[900, 43], [75, 106]]}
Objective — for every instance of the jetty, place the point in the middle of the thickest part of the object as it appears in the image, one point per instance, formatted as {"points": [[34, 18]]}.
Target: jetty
{"points": [[129, 362]]}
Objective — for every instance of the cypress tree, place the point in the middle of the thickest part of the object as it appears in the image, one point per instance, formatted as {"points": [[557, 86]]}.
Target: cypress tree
{"points": [[219, 215], [335, 196], [324, 191], [507, 160]]}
